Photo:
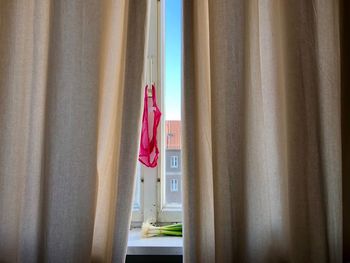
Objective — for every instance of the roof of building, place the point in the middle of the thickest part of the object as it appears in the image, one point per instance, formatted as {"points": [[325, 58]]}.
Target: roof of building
{"points": [[173, 134]]}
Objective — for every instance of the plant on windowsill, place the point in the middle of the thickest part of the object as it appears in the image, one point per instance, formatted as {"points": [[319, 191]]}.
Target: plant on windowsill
{"points": [[149, 230]]}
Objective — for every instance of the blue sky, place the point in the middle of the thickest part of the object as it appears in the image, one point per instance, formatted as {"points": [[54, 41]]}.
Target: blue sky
{"points": [[173, 59]]}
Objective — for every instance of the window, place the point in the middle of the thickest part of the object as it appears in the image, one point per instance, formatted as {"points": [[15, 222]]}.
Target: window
{"points": [[138, 193], [157, 194], [174, 185], [174, 163]]}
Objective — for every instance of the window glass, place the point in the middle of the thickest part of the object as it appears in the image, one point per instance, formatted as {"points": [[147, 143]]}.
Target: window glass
{"points": [[137, 189], [174, 185], [172, 102], [174, 162]]}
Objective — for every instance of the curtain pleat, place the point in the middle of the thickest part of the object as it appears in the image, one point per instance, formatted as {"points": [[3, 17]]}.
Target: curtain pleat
{"points": [[70, 87], [118, 128], [24, 34], [345, 97], [262, 144]]}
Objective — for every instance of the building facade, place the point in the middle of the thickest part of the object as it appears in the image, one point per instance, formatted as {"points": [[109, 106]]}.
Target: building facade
{"points": [[173, 161]]}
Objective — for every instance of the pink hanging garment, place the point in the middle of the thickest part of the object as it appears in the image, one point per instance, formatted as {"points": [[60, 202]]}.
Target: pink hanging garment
{"points": [[151, 117]]}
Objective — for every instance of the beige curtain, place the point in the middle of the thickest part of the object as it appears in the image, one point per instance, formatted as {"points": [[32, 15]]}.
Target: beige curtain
{"points": [[345, 97], [70, 87], [262, 144]]}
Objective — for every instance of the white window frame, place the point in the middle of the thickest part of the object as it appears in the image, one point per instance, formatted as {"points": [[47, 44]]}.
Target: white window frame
{"points": [[137, 210], [153, 206]]}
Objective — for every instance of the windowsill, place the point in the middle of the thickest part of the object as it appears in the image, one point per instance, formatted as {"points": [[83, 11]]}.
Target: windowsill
{"points": [[164, 245]]}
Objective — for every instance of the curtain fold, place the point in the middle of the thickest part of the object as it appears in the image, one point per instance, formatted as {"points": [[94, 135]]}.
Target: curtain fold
{"points": [[345, 97], [262, 144], [119, 127], [70, 88]]}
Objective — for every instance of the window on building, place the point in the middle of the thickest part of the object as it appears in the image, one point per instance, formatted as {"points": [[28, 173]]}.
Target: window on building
{"points": [[174, 162], [174, 187], [157, 195]]}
